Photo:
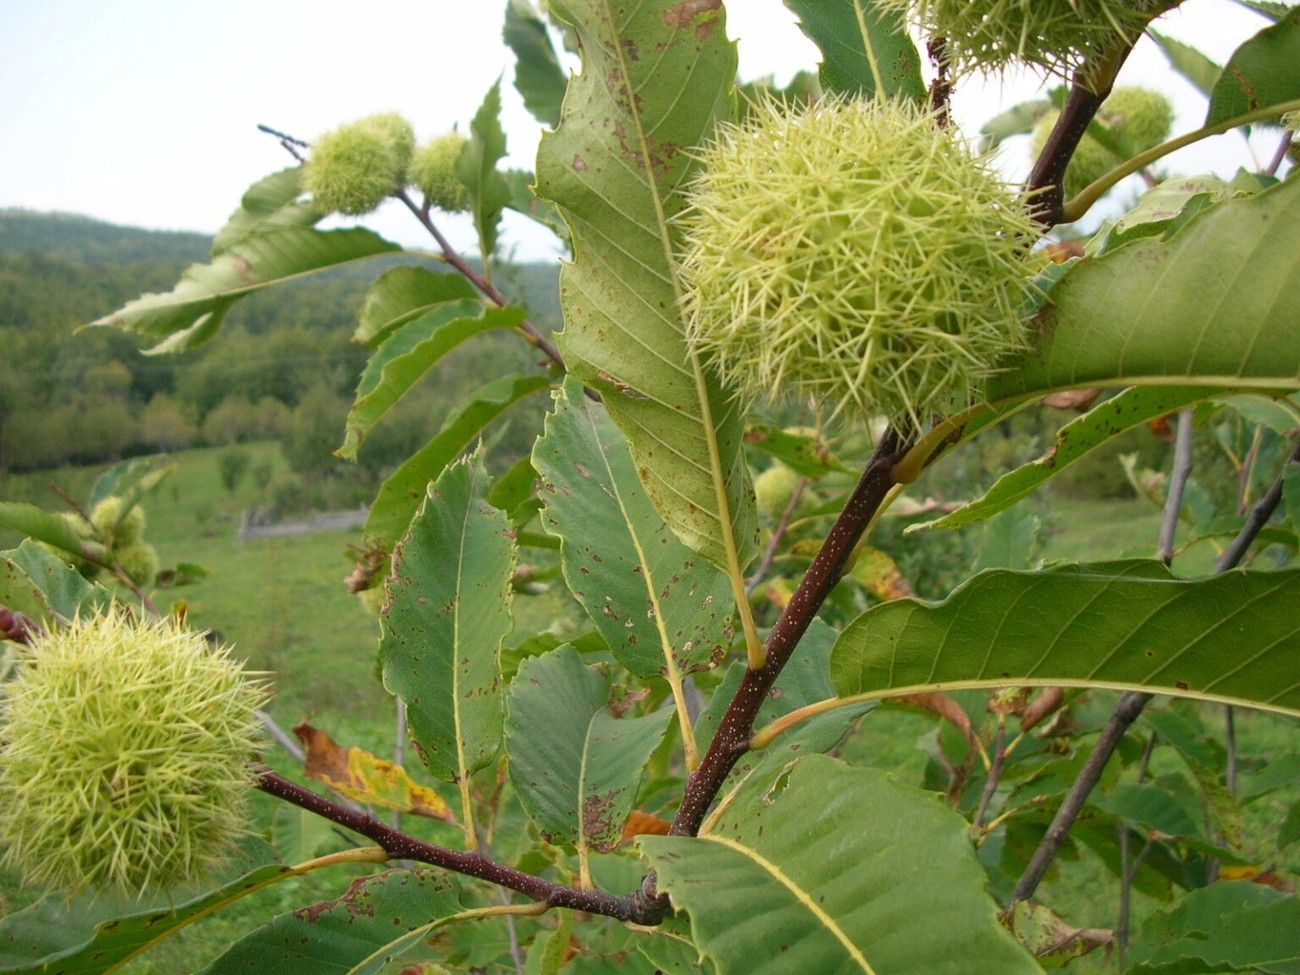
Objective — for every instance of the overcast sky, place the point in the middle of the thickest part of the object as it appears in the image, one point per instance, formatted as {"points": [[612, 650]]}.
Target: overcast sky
{"points": [[144, 112]]}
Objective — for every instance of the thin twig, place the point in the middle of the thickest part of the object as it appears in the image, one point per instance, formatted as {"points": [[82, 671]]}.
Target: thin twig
{"points": [[1177, 485], [287, 142], [485, 287], [1126, 712], [1259, 517], [400, 846], [732, 737], [994, 772]]}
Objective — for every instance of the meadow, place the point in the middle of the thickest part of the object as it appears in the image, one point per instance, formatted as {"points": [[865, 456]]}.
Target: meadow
{"points": [[282, 603]]}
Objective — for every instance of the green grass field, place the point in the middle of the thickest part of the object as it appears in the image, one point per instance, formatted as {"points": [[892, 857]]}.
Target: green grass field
{"points": [[283, 604]]}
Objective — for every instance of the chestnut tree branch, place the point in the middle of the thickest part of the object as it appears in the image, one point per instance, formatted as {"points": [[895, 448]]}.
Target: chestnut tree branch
{"points": [[400, 846]]}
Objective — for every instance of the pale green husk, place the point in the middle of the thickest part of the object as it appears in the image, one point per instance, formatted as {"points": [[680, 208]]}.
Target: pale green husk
{"points": [[854, 253], [125, 755], [1057, 35], [433, 170], [356, 167]]}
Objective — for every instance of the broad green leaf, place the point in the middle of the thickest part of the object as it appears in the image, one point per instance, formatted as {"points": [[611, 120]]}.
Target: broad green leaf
{"points": [[1233, 637], [47, 528], [32, 572], [476, 167], [816, 869], [1189, 62], [1214, 304], [402, 493], [655, 78], [448, 613], [864, 47], [538, 75], [357, 934], [1230, 926], [661, 608], [1262, 72], [403, 293], [1017, 120], [192, 312], [409, 353], [269, 203], [58, 936], [574, 766], [1078, 438]]}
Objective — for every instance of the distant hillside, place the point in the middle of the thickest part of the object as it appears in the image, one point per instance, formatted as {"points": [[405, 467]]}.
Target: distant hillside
{"points": [[75, 239], [81, 240]]}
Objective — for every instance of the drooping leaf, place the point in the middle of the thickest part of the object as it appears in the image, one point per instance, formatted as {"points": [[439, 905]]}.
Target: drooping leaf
{"points": [[815, 869], [269, 203], [1233, 637], [655, 78], [1164, 207], [1227, 927], [864, 47], [409, 353], [56, 936], [402, 493], [476, 167], [1076, 439], [192, 312], [403, 293], [1264, 71], [357, 774], [357, 934], [573, 764], [449, 612], [1214, 304], [538, 75], [660, 607], [1189, 62]]}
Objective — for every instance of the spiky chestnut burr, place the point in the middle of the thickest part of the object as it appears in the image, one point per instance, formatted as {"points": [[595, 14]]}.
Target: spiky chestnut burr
{"points": [[433, 170], [125, 754], [112, 527], [356, 167], [1056, 35], [855, 253]]}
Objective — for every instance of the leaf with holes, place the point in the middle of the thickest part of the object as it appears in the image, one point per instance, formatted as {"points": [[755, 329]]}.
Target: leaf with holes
{"points": [[377, 920], [574, 765], [448, 614], [661, 608], [656, 76], [1233, 637], [814, 868]]}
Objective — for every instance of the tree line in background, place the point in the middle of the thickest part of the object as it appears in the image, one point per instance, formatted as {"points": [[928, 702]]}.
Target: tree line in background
{"points": [[285, 368]]}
